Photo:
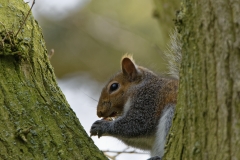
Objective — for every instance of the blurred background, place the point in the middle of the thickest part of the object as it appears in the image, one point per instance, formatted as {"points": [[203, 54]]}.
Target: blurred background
{"points": [[89, 38]]}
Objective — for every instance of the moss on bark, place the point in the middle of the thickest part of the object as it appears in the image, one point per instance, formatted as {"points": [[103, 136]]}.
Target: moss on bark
{"points": [[207, 119], [36, 120]]}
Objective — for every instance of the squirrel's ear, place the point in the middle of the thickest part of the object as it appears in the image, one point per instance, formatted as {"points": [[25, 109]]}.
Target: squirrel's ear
{"points": [[129, 68]]}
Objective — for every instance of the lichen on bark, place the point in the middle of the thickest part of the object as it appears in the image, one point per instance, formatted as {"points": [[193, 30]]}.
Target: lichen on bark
{"points": [[36, 120], [207, 118]]}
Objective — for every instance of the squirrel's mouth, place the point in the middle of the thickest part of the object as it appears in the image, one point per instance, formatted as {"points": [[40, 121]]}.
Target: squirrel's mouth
{"points": [[112, 116]]}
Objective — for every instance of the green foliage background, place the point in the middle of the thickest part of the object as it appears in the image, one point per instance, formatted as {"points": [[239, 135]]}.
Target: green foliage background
{"points": [[93, 38]]}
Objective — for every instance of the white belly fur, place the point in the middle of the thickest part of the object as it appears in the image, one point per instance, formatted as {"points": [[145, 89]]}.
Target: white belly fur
{"points": [[162, 131]]}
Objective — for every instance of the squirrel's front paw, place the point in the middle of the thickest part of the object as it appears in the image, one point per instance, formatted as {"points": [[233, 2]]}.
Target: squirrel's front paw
{"points": [[99, 128]]}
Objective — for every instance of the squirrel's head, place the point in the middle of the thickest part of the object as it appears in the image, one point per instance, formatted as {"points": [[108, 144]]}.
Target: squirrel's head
{"points": [[115, 94]]}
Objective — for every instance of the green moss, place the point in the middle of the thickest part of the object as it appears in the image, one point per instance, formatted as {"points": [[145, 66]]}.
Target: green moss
{"points": [[40, 123]]}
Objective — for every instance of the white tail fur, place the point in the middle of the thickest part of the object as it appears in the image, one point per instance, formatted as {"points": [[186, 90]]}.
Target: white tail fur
{"points": [[173, 54]]}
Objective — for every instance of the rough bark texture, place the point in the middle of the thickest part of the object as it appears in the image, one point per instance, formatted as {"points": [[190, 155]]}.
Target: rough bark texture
{"points": [[207, 119], [35, 119]]}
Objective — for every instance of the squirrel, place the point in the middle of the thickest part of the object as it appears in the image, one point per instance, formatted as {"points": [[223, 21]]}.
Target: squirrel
{"points": [[142, 103]]}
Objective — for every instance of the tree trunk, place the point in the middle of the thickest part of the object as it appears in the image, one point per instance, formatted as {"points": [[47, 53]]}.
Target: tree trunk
{"points": [[36, 120], [207, 119]]}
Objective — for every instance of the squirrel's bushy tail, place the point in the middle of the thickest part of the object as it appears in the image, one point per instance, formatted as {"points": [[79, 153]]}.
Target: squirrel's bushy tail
{"points": [[173, 54]]}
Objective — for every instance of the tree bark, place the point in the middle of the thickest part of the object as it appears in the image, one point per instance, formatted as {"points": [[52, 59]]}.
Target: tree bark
{"points": [[36, 120], [207, 119]]}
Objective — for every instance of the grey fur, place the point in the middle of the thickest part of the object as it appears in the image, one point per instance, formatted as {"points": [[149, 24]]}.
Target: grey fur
{"points": [[138, 126], [148, 112]]}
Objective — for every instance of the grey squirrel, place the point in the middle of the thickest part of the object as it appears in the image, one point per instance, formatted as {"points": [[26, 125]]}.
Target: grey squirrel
{"points": [[142, 103]]}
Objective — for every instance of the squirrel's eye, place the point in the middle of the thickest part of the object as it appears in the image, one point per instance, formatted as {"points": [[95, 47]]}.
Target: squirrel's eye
{"points": [[114, 87]]}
